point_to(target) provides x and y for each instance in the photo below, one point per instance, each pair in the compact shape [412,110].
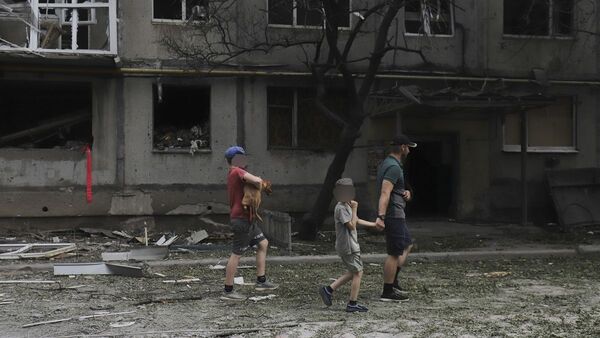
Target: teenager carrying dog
[246,232]
[346,245]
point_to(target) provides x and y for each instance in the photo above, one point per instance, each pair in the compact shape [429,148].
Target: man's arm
[384,200]
[249,178]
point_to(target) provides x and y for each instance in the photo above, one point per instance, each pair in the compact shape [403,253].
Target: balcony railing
[59,26]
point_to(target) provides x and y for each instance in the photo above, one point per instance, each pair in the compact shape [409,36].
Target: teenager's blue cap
[232,151]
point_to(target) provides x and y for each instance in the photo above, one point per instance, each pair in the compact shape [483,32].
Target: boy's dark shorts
[245,235]
[397,236]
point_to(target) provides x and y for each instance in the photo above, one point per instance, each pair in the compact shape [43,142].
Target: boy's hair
[344,182]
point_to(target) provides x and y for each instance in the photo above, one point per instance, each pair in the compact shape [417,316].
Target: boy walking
[346,245]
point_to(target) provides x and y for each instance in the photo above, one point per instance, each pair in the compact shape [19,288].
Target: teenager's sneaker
[393,297]
[233,296]
[265,286]
[356,308]
[326,296]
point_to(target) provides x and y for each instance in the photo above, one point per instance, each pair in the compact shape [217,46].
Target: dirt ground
[539,298]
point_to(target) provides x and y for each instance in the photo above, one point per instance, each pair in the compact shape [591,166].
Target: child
[346,244]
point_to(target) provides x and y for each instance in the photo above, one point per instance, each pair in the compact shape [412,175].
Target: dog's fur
[253,197]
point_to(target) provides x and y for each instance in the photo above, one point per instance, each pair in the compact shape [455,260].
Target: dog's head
[267,187]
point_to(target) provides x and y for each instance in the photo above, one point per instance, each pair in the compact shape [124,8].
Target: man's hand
[354,204]
[379,224]
[407,195]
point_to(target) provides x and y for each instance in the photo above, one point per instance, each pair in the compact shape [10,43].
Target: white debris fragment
[259,298]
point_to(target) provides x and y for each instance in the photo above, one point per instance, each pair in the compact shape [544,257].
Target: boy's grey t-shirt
[346,240]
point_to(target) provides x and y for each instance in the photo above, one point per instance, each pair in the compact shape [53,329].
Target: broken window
[58,25]
[538,17]
[304,13]
[177,10]
[294,121]
[45,115]
[181,117]
[429,17]
[549,128]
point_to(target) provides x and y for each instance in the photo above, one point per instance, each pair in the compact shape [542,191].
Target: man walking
[246,233]
[391,217]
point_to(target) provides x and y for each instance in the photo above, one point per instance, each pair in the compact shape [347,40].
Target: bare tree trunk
[313,220]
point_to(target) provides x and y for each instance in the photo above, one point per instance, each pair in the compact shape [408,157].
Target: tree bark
[313,220]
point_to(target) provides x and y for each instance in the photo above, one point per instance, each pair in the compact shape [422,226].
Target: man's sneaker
[266,286]
[233,296]
[398,289]
[326,296]
[356,308]
[393,297]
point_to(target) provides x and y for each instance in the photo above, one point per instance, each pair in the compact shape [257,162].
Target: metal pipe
[128,71]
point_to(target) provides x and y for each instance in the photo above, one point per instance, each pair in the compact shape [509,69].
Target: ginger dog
[253,197]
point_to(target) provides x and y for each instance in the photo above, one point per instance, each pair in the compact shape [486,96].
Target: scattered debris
[217,267]
[121,324]
[168,241]
[238,280]
[137,254]
[95,268]
[163,300]
[497,274]
[21,251]
[27,281]
[160,275]
[197,237]
[102,314]
[259,298]
[179,281]
[6,303]
[95,231]
[122,234]
[47,322]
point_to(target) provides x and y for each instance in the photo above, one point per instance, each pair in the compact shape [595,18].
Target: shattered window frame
[295,19]
[553,29]
[58,115]
[185,16]
[203,125]
[417,17]
[298,139]
[516,148]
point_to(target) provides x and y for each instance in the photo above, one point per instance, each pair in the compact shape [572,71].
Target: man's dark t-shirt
[391,170]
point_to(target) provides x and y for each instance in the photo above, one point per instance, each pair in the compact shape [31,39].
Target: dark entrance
[431,171]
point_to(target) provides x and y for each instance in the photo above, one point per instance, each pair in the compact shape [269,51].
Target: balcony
[58,27]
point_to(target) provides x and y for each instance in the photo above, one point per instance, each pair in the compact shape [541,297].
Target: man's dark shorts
[245,235]
[397,236]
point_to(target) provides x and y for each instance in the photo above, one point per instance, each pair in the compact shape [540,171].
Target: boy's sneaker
[265,286]
[393,297]
[326,296]
[233,296]
[356,308]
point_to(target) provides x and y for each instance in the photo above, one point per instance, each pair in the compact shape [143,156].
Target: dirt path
[539,298]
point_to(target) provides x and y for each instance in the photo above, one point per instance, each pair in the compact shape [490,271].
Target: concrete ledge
[367,258]
[588,249]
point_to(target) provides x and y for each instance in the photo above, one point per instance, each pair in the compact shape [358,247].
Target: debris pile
[170,137]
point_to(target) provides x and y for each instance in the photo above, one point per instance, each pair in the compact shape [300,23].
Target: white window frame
[551,35]
[295,18]
[452,28]
[516,148]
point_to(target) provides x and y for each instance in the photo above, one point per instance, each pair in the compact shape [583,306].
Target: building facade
[158,127]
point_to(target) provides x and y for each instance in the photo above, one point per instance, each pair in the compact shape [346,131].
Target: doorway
[432,173]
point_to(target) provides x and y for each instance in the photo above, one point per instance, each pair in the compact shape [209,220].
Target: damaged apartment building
[94,74]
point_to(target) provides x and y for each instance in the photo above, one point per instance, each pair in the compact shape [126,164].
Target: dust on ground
[539,298]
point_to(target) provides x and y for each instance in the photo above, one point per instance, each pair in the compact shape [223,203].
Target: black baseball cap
[401,140]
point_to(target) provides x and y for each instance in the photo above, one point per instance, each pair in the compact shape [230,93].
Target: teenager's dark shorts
[245,235]
[397,236]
